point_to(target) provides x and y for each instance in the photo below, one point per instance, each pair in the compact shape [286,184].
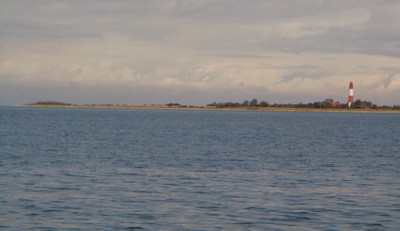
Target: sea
[142,169]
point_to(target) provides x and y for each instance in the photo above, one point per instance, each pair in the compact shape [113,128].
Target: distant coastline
[215,108]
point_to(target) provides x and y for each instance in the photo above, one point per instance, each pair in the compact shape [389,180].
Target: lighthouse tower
[351,97]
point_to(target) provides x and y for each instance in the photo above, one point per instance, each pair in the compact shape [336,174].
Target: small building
[335,104]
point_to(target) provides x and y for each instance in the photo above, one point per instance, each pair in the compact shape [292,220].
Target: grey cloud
[386,81]
[15,94]
[303,74]
[392,69]
[379,35]
[158,32]
[211,25]
[306,67]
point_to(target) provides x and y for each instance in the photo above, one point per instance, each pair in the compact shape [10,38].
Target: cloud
[291,49]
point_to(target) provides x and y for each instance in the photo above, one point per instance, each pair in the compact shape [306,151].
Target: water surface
[117,169]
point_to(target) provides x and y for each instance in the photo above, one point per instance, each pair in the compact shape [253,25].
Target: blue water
[117,169]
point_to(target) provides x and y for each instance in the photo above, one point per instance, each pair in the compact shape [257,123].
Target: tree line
[327,103]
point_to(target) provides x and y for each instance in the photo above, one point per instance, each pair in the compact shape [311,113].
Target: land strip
[166,107]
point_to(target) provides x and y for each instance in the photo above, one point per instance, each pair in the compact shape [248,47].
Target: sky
[199,52]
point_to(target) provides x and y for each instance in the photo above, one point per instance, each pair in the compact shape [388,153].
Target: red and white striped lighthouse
[351,97]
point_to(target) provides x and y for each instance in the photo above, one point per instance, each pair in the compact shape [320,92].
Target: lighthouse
[351,97]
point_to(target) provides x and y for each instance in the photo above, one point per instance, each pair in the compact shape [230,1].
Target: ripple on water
[177,170]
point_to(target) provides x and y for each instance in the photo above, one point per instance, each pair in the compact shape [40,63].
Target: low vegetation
[327,103]
[248,104]
[50,103]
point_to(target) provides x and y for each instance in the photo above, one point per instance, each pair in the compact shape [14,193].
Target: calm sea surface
[117,169]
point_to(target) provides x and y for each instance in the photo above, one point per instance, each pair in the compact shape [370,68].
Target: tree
[263,104]
[253,103]
[367,104]
[316,104]
[327,103]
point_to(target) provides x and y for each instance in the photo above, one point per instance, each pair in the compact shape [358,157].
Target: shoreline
[210,108]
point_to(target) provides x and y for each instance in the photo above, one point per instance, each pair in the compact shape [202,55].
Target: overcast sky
[198,52]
